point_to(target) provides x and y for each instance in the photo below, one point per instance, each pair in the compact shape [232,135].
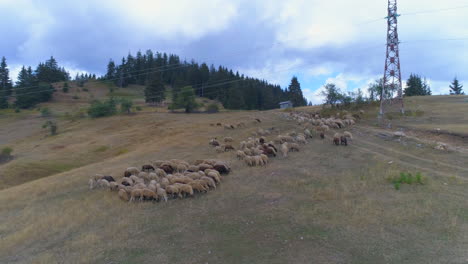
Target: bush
[52,125]
[407,178]
[126,105]
[6,151]
[102,108]
[45,112]
[17,110]
[138,108]
[65,89]
[212,108]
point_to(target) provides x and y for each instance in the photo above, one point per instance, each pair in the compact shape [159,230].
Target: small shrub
[65,88]
[6,151]
[406,178]
[138,108]
[17,110]
[52,125]
[212,108]
[101,149]
[45,112]
[126,105]
[102,108]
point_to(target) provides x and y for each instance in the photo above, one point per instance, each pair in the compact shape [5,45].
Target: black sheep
[147,168]
[109,178]
[344,141]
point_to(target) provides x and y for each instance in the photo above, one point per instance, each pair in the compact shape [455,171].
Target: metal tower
[392,92]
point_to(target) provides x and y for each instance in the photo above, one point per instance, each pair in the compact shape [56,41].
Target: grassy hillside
[324,204]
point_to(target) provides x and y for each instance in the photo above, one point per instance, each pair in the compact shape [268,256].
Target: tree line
[233,90]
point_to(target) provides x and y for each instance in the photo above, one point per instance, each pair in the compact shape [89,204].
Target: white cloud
[275,72]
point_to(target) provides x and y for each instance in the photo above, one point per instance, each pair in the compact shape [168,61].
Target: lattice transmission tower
[392,91]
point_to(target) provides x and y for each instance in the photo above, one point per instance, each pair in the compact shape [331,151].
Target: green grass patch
[121,152]
[101,149]
[406,178]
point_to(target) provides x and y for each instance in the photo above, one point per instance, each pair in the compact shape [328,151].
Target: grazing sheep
[348,135]
[307,133]
[209,181]
[228,147]
[240,155]
[198,186]
[167,168]
[161,193]
[228,139]
[147,168]
[136,194]
[164,183]
[133,170]
[249,160]
[97,177]
[148,194]
[336,139]
[258,120]
[214,142]
[193,168]
[126,181]
[204,166]
[219,149]
[194,175]
[264,159]
[102,183]
[294,147]
[322,135]
[301,139]
[222,167]
[123,195]
[144,176]
[173,190]
[113,186]
[227,126]
[344,141]
[185,189]
[284,149]
[127,174]
[92,183]
[214,176]
[219,124]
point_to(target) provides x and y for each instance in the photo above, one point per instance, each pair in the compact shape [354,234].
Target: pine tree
[295,93]
[5,84]
[111,71]
[415,86]
[456,88]
[154,91]
[186,100]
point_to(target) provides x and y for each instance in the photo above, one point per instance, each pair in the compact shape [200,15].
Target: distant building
[285,105]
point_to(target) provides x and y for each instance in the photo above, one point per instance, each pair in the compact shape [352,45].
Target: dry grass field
[324,204]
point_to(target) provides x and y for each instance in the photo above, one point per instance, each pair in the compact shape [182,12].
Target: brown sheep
[348,134]
[209,181]
[228,147]
[214,142]
[161,193]
[204,166]
[219,124]
[113,186]
[198,186]
[264,158]
[124,195]
[240,155]
[127,174]
[193,168]
[222,168]
[228,139]
[136,193]
[173,190]
[322,135]
[336,139]
[343,141]
[147,168]
[164,182]
[185,189]
[167,168]
[148,194]
[293,147]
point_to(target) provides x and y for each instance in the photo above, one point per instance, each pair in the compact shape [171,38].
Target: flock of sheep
[322,125]
[164,180]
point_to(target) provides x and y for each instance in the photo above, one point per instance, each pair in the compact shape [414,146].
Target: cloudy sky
[339,41]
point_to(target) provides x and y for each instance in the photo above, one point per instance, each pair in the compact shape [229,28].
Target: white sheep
[284,149]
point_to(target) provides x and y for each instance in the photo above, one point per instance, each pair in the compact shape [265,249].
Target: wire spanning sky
[336,41]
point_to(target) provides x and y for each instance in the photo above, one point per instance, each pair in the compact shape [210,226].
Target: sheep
[153,176]
[322,135]
[198,186]
[148,194]
[173,190]
[161,173]
[264,158]
[164,183]
[167,168]
[194,175]
[240,155]
[343,141]
[227,126]
[127,174]
[269,151]
[204,166]
[336,139]
[258,120]
[222,167]
[242,145]
[139,186]
[258,160]
[113,186]
[214,142]
[307,133]
[102,183]
[185,189]
[123,195]
[133,170]
[161,193]
[158,163]
[108,178]
[228,147]
[147,168]
[284,149]
[209,181]
[348,134]
[301,139]
[214,176]
[293,147]
[219,124]
[219,149]
[249,160]
[97,177]
[228,139]
[193,168]
[144,176]
[126,181]
[181,167]
[92,183]
[136,193]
